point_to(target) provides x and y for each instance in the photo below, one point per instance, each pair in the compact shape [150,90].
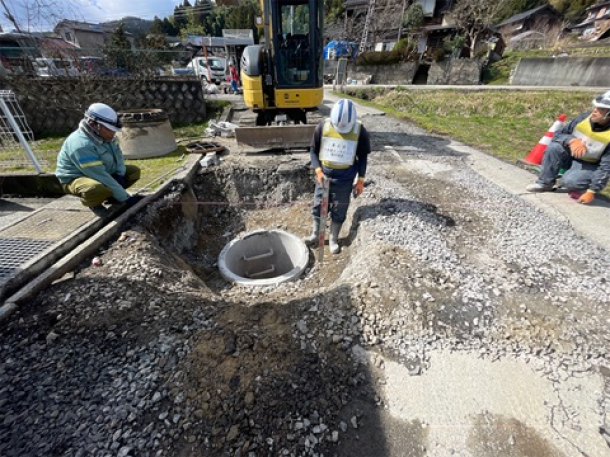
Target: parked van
[48,66]
[17,54]
[217,73]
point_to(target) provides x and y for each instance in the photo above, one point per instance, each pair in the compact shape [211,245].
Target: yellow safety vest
[596,142]
[338,150]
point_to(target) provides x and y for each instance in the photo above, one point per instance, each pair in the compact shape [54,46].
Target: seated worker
[583,149]
[90,163]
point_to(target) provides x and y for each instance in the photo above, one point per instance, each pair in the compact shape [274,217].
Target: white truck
[47,66]
[210,69]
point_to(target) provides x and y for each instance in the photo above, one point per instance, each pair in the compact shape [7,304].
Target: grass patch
[504,124]
[153,169]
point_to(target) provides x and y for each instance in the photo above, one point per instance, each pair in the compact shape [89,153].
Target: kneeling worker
[339,151]
[90,163]
[583,149]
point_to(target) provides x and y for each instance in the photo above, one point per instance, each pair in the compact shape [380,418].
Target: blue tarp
[336,49]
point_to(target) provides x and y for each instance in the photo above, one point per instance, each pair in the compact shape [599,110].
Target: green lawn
[154,170]
[504,124]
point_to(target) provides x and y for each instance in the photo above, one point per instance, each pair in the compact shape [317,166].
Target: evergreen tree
[157,27]
[169,28]
[117,51]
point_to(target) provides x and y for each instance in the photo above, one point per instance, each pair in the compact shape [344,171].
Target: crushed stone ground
[446,326]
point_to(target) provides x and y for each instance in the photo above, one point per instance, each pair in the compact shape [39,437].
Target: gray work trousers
[338,200]
[578,173]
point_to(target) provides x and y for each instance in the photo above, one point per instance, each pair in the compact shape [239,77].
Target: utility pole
[402,15]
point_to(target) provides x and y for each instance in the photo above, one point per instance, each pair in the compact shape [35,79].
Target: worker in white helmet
[90,163]
[582,148]
[339,151]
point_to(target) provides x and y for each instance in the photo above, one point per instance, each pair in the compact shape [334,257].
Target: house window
[68,36]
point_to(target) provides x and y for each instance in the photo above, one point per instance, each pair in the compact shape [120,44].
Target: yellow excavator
[282,79]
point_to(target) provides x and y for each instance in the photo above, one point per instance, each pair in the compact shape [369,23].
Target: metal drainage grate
[47,224]
[14,253]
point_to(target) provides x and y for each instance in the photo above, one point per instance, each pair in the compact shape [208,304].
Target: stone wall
[460,72]
[562,71]
[400,73]
[54,106]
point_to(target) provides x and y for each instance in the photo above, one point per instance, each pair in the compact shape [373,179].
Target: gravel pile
[151,353]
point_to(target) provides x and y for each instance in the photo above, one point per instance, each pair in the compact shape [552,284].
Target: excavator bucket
[276,136]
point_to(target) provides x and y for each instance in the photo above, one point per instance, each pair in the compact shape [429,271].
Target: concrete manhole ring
[146,133]
[142,115]
[263,258]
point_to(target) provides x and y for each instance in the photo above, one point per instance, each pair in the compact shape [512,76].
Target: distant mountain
[133,25]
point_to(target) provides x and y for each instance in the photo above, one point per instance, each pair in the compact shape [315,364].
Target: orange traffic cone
[537,153]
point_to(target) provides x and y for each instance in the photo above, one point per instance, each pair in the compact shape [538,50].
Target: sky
[42,15]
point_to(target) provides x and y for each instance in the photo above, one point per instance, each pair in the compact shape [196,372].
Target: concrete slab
[466,402]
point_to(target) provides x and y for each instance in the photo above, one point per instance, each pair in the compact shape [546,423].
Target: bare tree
[30,15]
[475,17]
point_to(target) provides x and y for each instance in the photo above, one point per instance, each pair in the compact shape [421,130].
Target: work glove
[320,176]
[587,197]
[358,187]
[120,179]
[577,148]
[133,199]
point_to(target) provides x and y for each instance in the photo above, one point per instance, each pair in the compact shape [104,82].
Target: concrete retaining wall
[563,71]
[400,73]
[461,72]
[55,106]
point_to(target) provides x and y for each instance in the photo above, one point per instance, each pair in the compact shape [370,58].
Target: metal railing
[16,154]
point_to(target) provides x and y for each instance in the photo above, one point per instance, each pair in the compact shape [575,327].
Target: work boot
[537,187]
[99,210]
[312,239]
[333,242]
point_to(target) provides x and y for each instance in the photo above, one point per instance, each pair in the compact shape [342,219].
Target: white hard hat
[343,115]
[602,101]
[104,115]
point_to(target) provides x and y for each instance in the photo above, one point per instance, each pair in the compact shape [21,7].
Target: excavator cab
[282,79]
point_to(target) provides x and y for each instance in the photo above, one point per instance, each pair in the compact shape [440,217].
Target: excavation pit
[263,258]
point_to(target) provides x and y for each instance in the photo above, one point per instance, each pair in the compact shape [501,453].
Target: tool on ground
[323,217]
